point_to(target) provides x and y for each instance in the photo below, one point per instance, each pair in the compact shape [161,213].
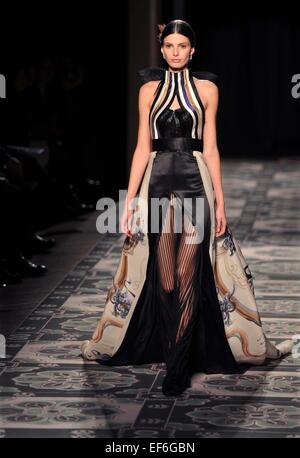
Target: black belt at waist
[177,144]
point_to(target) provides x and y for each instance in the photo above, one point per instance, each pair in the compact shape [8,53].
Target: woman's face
[177,50]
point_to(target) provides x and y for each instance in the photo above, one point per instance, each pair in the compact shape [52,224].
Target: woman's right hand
[126,221]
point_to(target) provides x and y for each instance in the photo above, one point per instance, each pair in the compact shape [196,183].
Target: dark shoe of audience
[25,267]
[38,244]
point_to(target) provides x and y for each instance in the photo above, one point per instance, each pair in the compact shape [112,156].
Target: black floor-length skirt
[177,318]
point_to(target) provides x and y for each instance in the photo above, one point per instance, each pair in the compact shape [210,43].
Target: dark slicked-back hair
[177,26]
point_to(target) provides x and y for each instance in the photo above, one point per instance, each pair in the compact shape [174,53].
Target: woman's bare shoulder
[206,84]
[206,89]
[149,86]
[147,91]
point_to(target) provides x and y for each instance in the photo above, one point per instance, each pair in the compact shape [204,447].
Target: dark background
[255,53]
[90,39]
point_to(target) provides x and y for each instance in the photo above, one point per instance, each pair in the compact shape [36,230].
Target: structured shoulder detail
[204,75]
[151,74]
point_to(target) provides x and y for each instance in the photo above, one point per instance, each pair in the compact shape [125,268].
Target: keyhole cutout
[176,106]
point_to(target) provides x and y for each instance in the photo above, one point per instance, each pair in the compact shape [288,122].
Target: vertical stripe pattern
[180,84]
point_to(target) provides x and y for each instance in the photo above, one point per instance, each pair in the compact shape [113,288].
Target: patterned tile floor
[47,390]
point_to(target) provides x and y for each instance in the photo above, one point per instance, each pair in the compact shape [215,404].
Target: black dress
[177,318]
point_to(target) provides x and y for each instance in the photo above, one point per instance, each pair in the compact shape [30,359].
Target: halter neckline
[181,72]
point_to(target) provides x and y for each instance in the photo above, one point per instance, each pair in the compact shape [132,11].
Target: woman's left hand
[221,221]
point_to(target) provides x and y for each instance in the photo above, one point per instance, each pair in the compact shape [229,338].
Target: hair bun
[161,28]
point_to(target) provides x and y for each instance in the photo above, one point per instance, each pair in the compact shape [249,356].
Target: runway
[47,390]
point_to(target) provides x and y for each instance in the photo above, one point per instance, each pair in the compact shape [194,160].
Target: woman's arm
[211,155]
[142,151]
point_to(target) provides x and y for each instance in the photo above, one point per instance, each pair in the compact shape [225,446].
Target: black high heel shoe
[171,388]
